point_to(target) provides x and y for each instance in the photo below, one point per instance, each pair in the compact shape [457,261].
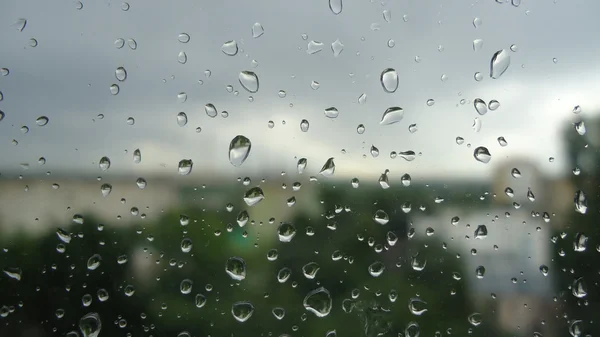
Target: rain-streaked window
[299,168]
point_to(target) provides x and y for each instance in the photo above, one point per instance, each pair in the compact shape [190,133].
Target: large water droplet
[301,166]
[186,245]
[182,119]
[105,189]
[236,268]
[121,74]
[575,329]
[249,81]
[286,232]
[230,48]
[242,218]
[328,168]
[314,47]
[304,125]
[242,311]
[200,300]
[183,38]
[392,115]
[335,6]
[417,306]
[210,110]
[331,112]
[376,268]
[581,202]
[412,330]
[381,217]
[94,262]
[337,47]
[493,105]
[284,274]
[482,154]
[185,167]
[318,302]
[253,196]
[579,288]
[104,163]
[141,183]
[480,106]
[42,121]
[417,263]
[90,325]
[499,63]
[389,80]
[481,232]
[20,24]
[580,243]
[257,30]
[278,312]
[239,149]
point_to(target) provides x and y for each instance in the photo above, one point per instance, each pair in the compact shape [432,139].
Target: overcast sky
[67,76]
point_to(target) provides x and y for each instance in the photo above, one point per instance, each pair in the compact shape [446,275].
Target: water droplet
[304,125]
[129,291]
[310,270]
[416,306]
[94,262]
[530,195]
[493,105]
[236,268]
[515,173]
[230,48]
[391,43]
[392,115]
[186,245]
[90,325]
[242,311]
[480,106]
[381,217]
[286,232]
[239,149]
[331,112]
[284,274]
[389,80]
[355,182]
[253,196]
[105,189]
[249,81]
[482,154]
[480,272]
[104,163]
[328,168]
[211,110]
[130,121]
[314,47]
[477,22]
[362,99]
[499,63]
[318,302]
[384,181]
[481,232]
[242,218]
[121,74]
[335,6]
[360,129]
[119,43]
[387,15]
[477,44]
[575,328]
[577,110]
[137,156]
[78,6]
[580,127]
[314,85]
[544,270]
[278,312]
[502,141]
[186,286]
[132,44]
[114,89]
[301,166]
[20,24]
[478,76]
[200,300]
[418,264]
[580,202]
[182,57]
[185,167]
[125,7]
[509,192]
[33,43]
[272,254]
[475,319]
[4,71]
[337,47]
[408,155]
[580,243]
[376,268]
[14,272]
[183,37]
[257,30]
[141,183]
[182,119]
[579,288]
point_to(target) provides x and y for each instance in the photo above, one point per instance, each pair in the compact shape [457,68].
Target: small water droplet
[579,288]
[477,44]
[257,30]
[20,24]
[121,74]
[119,43]
[186,286]
[242,311]
[249,81]
[480,272]
[499,63]
[387,15]
[304,125]
[278,312]
[104,163]
[477,22]
[580,202]
[389,80]
[286,232]
[417,263]
[78,6]
[185,166]
[580,128]
[301,166]
[239,149]
[481,232]
[381,217]
[318,302]
[42,121]
[284,274]
[182,57]
[328,168]
[493,105]
[310,270]
[137,156]
[331,112]
[94,262]
[416,306]
[105,189]
[186,245]
[577,110]
[475,319]
[376,268]
[114,89]
[4,71]
[482,154]
[391,43]
[314,85]
[478,76]
[515,173]
[502,142]
[125,7]
[408,155]
[337,47]
[384,180]
[141,183]
[132,44]
[314,47]
[33,43]
[90,325]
